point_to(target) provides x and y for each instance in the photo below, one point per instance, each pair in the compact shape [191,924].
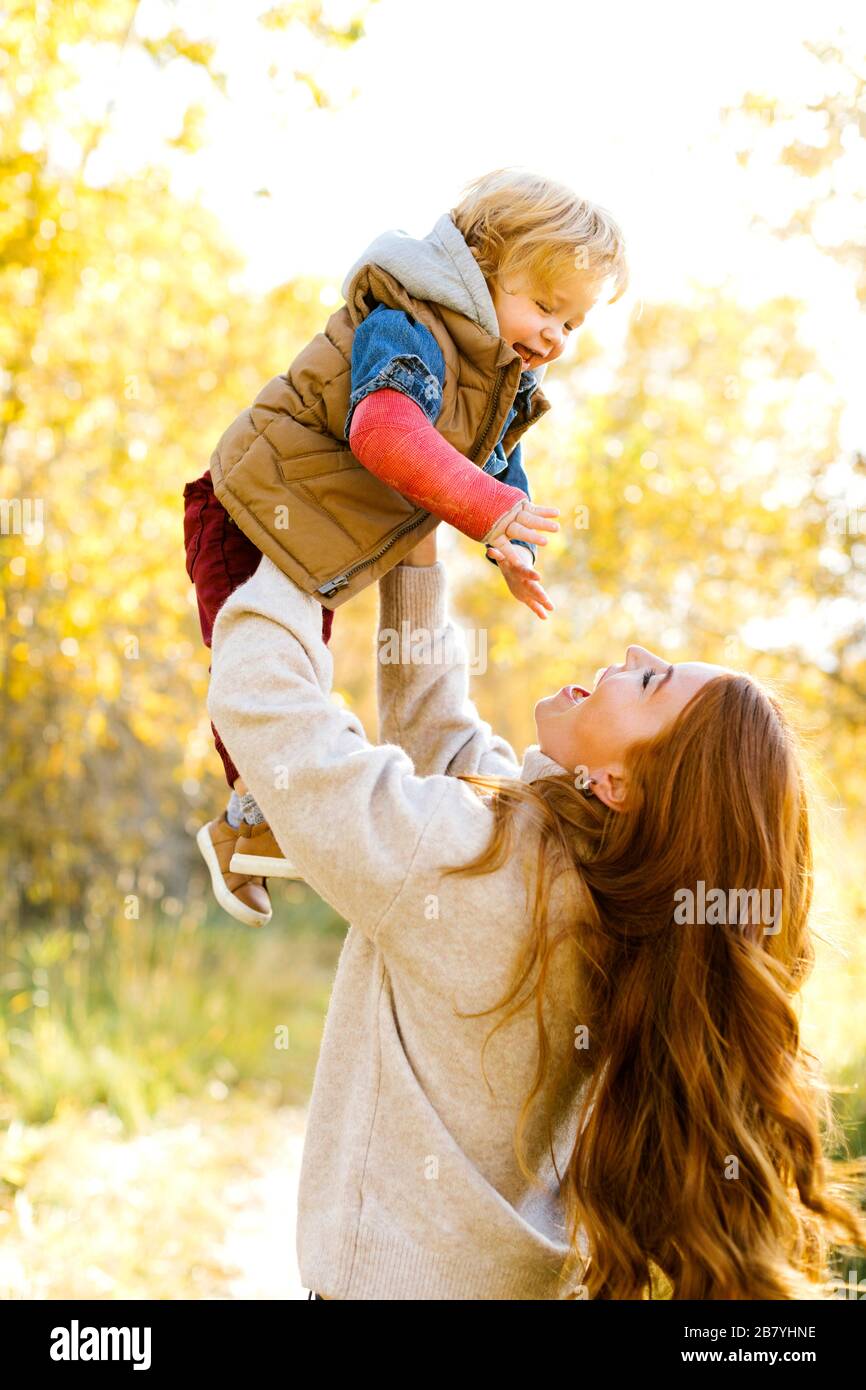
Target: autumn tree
[127,343]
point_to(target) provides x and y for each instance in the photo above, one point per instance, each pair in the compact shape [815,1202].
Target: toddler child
[427,377]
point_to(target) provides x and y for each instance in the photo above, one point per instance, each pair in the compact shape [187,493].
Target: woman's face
[593,730]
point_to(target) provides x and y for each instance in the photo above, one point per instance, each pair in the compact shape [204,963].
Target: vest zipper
[341,580]
[490,414]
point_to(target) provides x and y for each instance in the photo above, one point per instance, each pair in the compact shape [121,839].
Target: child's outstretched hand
[525,522]
[522,578]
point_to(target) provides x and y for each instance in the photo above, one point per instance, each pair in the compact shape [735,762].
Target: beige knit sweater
[409,1188]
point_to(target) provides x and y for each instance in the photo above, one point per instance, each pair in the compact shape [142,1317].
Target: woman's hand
[424,552]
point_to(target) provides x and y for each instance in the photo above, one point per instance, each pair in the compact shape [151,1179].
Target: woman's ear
[611,788]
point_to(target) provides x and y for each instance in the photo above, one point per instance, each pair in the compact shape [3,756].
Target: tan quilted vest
[286,475]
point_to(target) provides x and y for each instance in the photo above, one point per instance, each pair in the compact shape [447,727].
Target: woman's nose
[636,656]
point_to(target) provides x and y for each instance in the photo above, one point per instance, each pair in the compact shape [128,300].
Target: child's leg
[219,557]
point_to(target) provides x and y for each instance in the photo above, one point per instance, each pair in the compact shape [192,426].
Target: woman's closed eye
[650,671]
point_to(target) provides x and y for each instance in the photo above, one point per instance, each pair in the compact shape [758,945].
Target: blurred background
[182,188]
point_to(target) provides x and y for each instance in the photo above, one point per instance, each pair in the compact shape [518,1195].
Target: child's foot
[257,852]
[245,897]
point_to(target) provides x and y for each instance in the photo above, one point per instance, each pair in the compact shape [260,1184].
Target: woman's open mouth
[574,693]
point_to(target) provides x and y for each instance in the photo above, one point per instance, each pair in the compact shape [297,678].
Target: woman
[642,1099]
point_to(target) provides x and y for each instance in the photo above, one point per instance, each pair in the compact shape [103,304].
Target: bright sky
[621,101]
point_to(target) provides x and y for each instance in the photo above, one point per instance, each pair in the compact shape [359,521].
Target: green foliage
[143,1010]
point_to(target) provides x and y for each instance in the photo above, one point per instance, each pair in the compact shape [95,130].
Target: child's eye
[569,327]
[647,677]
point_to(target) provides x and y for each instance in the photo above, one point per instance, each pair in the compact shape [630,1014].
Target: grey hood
[438,267]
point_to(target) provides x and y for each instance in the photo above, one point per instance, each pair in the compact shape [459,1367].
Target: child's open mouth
[529,357]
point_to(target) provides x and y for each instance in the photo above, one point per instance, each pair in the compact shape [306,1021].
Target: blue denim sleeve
[392,349]
[514,476]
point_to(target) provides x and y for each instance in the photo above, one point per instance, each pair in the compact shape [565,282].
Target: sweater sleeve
[423,667]
[391,435]
[351,814]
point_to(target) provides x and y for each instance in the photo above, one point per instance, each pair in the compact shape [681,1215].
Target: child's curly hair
[516,222]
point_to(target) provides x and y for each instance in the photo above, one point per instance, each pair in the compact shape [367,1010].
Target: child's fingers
[537,518]
[508,554]
[532,594]
[536,608]
[519,572]
[519,532]
[539,593]
[541,597]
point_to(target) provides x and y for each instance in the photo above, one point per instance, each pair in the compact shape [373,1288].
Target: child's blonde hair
[516,223]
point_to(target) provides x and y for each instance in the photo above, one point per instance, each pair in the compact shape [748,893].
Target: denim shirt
[391,349]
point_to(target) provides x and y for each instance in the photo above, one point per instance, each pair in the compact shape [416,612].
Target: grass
[139,1011]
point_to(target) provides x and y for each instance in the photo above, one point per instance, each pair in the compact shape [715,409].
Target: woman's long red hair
[698,1154]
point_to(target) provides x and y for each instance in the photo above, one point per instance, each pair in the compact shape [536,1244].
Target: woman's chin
[540,724]
[540,712]
[563,702]
[547,712]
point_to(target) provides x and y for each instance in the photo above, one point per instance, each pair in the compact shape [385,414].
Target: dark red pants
[219,557]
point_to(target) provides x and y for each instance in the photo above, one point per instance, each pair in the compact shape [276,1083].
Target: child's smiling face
[536,324]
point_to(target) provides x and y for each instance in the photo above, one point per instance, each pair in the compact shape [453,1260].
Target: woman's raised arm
[355,817]
[423,665]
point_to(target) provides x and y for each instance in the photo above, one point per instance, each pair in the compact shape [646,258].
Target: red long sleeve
[392,437]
